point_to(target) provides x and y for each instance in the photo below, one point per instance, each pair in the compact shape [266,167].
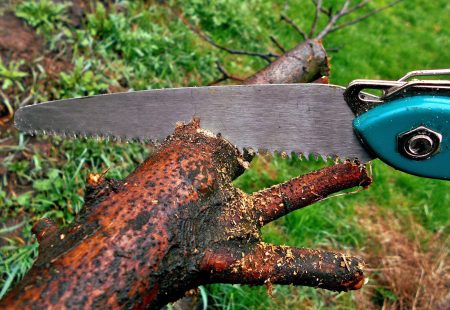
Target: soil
[17,40]
[20,42]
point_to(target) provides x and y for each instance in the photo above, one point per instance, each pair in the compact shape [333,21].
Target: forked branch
[304,68]
[334,16]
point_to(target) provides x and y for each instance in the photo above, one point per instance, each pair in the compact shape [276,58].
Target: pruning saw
[407,126]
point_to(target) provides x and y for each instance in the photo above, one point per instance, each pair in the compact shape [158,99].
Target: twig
[266,56]
[295,26]
[359,19]
[333,19]
[225,75]
[316,18]
[333,49]
[278,44]
[358,6]
[346,10]
[327,11]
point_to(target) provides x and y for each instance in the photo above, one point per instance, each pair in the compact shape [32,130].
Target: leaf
[24,199]
[53,174]
[42,185]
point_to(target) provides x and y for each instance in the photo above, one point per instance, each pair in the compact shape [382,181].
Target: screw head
[419,143]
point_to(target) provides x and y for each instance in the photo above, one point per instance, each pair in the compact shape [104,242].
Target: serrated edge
[100,137]
[308,156]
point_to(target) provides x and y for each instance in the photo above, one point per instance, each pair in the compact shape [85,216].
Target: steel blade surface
[301,118]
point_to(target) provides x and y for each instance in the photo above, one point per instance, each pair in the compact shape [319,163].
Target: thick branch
[266,263]
[304,63]
[144,241]
[302,191]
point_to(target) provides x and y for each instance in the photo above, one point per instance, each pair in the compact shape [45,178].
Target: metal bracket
[361,102]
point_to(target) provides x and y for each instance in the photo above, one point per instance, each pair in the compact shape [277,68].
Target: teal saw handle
[411,134]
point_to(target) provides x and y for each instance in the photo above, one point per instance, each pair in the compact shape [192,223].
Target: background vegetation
[400,224]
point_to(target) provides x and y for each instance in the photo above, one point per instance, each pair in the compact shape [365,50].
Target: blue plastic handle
[380,128]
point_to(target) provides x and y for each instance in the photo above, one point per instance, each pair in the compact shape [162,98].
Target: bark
[304,63]
[177,222]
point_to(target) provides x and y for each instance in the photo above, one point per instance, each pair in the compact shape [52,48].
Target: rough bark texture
[177,222]
[306,62]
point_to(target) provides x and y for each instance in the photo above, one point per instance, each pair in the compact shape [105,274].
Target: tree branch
[333,19]
[225,75]
[266,56]
[365,16]
[295,26]
[175,223]
[306,62]
[278,44]
[274,202]
[316,18]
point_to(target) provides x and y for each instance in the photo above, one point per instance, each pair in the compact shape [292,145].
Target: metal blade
[301,118]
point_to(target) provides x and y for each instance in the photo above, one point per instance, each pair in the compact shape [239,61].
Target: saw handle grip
[411,134]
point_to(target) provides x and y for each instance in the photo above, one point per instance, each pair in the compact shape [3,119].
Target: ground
[50,51]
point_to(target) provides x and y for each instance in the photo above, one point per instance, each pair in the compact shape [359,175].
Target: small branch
[344,11]
[333,49]
[327,11]
[359,19]
[295,26]
[316,18]
[358,6]
[225,75]
[266,56]
[278,44]
[332,20]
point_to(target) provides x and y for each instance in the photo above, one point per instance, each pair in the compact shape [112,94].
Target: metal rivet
[419,143]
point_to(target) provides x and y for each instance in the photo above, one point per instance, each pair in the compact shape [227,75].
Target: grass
[142,45]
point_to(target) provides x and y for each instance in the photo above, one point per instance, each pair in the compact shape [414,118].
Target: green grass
[144,45]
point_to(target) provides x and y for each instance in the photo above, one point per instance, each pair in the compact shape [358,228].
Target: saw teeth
[309,156]
[154,143]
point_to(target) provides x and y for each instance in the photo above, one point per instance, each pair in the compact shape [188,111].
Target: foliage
[16,258]
[11,75]
[45,15]
[82,81]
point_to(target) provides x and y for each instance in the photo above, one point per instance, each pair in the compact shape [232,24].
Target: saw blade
[300,118]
